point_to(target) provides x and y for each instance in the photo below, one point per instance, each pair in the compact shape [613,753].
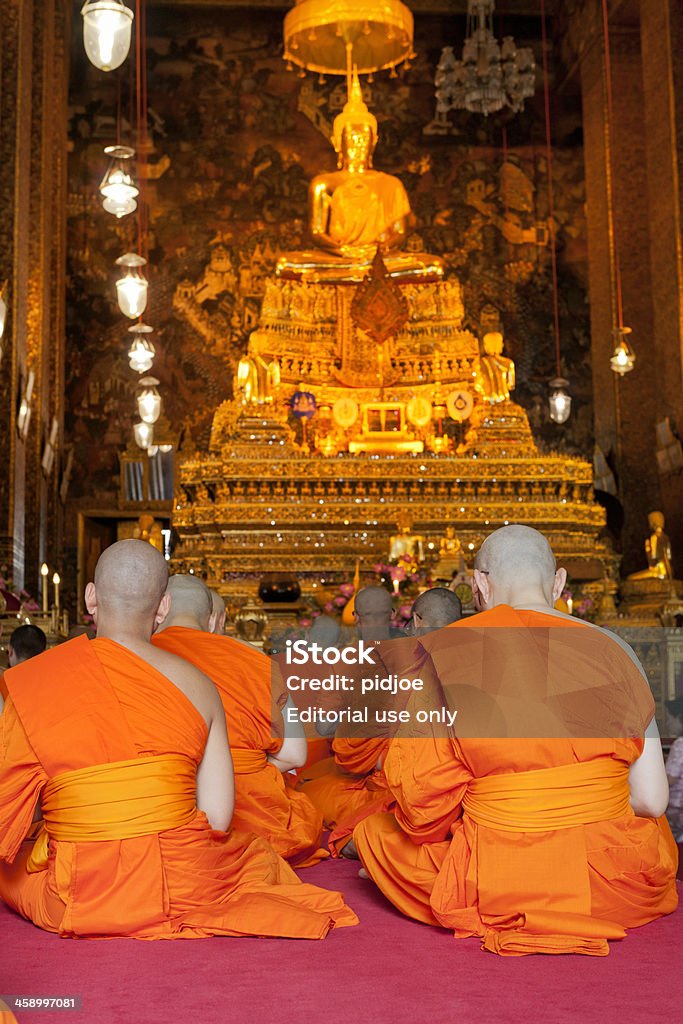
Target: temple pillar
[661,29]
[624,408]
[33,132]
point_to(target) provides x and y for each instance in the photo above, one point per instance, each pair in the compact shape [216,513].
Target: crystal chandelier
[490,76]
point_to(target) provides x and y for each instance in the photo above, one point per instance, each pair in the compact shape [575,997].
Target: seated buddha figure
[355,210]
[657,550]
[496,377]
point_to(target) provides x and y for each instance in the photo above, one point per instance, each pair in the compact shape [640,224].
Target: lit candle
[43,572]
[570,606]
[56,580]
[396,586]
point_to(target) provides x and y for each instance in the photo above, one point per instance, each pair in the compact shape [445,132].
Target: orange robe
[347,785]
[475,843]
[249,687]
[95,703]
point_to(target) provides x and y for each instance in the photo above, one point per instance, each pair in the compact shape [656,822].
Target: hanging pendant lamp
[132,287]
[118,189]
[107,28]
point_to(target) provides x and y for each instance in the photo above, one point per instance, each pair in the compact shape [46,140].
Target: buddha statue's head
[656,521]
[493,343]
[354,134]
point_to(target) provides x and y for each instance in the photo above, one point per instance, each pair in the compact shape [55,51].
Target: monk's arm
[215,777]
[647,779]
[294,749]
[428,780]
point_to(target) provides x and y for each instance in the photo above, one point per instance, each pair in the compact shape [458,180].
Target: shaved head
[130,578]
[437,607]
[516,554]
[190,599]
[373,603]
[516,566]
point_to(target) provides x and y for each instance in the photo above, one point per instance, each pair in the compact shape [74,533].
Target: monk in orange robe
[342,785]
[536,824]
[122,750]
[263,747]
[434,609]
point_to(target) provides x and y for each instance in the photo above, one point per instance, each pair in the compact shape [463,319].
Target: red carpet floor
[387,970]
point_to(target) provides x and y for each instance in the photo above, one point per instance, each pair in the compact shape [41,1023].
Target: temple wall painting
[235,139]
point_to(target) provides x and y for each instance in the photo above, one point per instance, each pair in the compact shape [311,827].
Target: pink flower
[346,589]
[340,601]
[305,623]
[328,608]
[405,611]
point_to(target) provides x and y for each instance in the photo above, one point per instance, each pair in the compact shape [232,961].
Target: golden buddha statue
[406,544]
[256,379]
[496,378]
[355,210]
[658,551]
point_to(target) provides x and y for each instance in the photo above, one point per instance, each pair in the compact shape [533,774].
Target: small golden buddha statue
[256,380]
[406,544]
[355,210]
[450,554]
[496,378]
[658,551]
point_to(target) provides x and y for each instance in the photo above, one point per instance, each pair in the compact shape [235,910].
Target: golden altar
[363,402]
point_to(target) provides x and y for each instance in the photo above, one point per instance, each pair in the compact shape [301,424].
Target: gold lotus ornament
[331,36]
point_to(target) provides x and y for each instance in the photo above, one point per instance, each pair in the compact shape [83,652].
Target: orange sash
[246,762]
[119,800]
[550,798]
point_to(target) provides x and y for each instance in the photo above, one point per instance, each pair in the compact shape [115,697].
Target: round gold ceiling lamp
[332,36]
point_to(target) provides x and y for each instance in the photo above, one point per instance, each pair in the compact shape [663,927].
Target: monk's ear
[481,588]
[559,583]
[163,610]
[91,599]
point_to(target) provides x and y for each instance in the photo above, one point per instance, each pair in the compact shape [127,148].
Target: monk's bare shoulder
[197,687]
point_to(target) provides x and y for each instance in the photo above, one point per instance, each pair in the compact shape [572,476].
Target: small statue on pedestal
[658,551]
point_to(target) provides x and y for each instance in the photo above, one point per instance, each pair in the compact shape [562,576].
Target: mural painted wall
[234,140]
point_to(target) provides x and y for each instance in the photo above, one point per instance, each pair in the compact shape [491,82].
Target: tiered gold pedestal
[260,504]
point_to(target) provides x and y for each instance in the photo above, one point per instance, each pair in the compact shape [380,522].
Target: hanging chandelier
[118,189]
[107,28]
[560,402]
[141,352]
[132,287]
[490,76]
[623,358]
[149,400]
[143,434]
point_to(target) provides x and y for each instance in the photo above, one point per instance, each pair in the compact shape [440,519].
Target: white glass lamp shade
[141,352]
[143,434]
[107,28]
[560,402]
[118,189]
[149,400]
[623,358]
[132,287]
